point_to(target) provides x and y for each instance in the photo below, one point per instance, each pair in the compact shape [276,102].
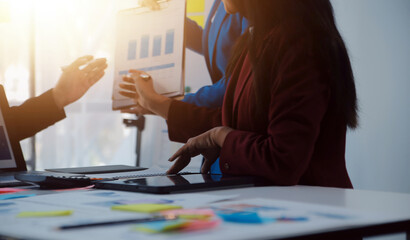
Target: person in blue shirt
[215,43]
[220,33]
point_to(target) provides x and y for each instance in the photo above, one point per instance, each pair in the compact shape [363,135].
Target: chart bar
[132,50]
[156,51]
[169,42]
[144,46]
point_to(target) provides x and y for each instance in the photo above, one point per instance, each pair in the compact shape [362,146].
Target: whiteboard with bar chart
[151,41]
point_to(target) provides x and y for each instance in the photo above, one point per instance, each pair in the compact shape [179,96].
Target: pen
[117,222]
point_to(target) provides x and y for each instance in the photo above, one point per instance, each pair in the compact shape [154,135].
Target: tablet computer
[178,183]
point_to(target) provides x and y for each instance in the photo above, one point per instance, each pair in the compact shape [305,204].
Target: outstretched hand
[75,82]
[208,144]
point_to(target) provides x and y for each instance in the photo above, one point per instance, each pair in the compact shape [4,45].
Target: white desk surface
[395,204]
[392,207]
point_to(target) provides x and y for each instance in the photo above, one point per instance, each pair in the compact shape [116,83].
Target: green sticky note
[195,6]
[145,207]
[46,213]
[163,226]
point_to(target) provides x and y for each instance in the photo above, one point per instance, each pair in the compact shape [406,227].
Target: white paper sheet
[152,41]
[94,205]
[89,206]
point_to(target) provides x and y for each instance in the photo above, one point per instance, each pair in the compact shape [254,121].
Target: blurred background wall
[377,34]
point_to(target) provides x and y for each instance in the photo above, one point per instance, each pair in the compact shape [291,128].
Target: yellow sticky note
[4,11]
[199,19]
[195,6]
[46,214]
[145,207]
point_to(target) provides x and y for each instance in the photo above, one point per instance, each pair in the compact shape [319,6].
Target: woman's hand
[75,82]
[208,144]
[140,87]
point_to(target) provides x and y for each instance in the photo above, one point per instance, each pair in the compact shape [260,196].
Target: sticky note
[199,214]
[46,214]
[161,226]
[244,217]
[179,225]
[195,6]
[201,225]
[11,190]
[292,219]
[145,207]
[198,19]
[4,11]
[14,196]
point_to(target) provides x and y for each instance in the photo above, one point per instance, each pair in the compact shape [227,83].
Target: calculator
[49,180]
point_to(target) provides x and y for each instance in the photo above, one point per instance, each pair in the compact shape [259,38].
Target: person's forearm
[160,105]
[58,99]
[219,135]
[34,115]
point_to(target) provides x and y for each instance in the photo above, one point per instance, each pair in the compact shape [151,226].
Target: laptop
[11,156]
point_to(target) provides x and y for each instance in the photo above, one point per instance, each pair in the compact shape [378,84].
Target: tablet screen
[177,183]
[175,180]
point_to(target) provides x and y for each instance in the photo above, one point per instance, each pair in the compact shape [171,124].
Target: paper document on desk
[151,41]
[267,218]
[88,206]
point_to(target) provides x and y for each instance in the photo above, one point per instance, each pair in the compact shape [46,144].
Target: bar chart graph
[153,42]
[145,43]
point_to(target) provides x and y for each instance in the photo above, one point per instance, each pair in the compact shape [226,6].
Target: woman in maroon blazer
[288,104]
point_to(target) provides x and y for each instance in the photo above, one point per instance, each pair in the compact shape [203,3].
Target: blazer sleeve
[187,120]
[34,115]
[193,36]
[299,100]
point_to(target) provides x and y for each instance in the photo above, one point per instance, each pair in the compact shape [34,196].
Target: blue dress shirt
[220,33]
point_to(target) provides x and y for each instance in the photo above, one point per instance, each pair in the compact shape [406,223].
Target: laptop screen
[11,156]
[7,159]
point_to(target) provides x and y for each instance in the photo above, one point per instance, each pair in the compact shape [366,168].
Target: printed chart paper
[151,41]
[291,219]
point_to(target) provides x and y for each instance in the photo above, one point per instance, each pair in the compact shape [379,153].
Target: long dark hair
[314,19]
